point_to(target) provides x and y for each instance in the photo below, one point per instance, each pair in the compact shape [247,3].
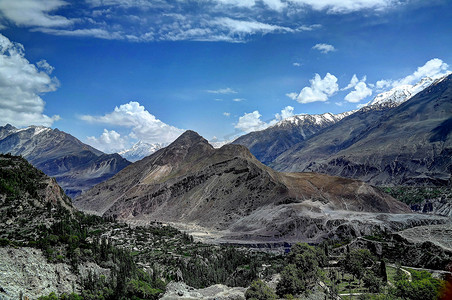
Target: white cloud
[34,13]
[222,91]
[21,84]
[144,126]
[346,6]
[296,64]
[432,68]
[251,122]
[361,91]
[198,20]
[285,113]
[353,82]
[238,99]
[94,32]
[44,65]
[108,142]
[324,48]
[226,114]
[383,84]
[241,27]
[319,90]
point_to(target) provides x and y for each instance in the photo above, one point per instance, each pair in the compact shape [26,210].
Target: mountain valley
[229,192]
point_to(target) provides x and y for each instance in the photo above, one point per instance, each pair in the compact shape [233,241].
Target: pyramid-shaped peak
[189,138]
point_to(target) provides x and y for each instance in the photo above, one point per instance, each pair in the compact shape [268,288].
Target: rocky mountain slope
[267,144]
[409,144]
[229,191]
[75,165]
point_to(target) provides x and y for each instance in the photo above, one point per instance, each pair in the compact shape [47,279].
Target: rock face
[28,199]
[26,272]
[410,144]
[75,165]
[267,144]
[230,191]
[179,290]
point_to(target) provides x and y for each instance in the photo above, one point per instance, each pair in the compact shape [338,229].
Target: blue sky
[112,72]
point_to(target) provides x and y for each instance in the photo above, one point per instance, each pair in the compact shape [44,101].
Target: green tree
[357,261]
[372,282]
[290,283]
[260,291]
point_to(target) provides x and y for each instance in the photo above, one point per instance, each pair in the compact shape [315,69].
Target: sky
[112,72]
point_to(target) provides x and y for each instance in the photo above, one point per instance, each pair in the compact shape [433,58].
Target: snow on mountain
[322,119]
[401,93]
[217,145]
[140,150]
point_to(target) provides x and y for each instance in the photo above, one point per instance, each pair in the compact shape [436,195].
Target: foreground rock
[179,290]
[26,272]
[229,191]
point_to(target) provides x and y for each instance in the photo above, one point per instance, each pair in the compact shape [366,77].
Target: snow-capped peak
[33,130]
[319,119]
[140,150]
[401,93]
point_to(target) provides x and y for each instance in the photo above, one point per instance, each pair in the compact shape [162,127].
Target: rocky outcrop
[179,290]
[75,165]
[25,272]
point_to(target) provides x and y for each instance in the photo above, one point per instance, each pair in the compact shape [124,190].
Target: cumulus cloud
[21,84]
[285,113]
[226,114]
[353,82]
[296,64]
[324,48]
[432,68]
[319,90]
[144,126]
[252,121]
[361,91]
[108,142]
[222,91]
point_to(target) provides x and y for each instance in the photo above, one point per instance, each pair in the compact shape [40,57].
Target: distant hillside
[75,165]
[410,144]
[230,191]
[267,144]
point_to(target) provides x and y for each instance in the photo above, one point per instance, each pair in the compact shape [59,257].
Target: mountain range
[229,192]
[75,165]
[409,144]
[401,137]
[269,143]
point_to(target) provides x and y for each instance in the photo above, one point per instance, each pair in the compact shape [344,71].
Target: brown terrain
[229,194]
